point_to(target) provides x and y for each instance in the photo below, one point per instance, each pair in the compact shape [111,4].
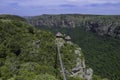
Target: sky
[38,7]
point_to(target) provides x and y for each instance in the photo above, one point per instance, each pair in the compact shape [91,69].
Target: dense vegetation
[97,35]
[11,17]
[27,53]
[100,24]
[101,52]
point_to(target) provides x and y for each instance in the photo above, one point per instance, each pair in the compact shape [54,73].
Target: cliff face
[27,53]
[79,69]
[102,25]
[101,52]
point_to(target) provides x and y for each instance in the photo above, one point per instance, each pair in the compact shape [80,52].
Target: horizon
[40,7]
[64,14]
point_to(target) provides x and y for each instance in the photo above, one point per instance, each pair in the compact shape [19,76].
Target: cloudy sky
[37,7]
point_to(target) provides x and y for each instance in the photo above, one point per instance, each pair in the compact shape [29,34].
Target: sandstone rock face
[79,70]
[102,25]
[89,74]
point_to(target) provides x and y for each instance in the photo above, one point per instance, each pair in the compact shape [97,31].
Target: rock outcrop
[102,25]
[80,70]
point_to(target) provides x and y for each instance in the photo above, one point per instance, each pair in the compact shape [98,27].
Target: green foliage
[68,57]
[11,17]
[101,52]
[32,76]
[26,52]
[45,77]
[75,78]
[100,24]
[95,77]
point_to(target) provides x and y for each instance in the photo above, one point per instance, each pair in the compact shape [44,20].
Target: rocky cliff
[27,53]
[102,25]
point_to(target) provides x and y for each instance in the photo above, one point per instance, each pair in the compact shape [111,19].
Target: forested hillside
[101,52]
[11,17]
[97,35]
[103,25]
[27,53]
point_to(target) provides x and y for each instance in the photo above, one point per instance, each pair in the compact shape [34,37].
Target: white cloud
[56,2]
[84,2]
[32,7]
[40,2]
[95,1]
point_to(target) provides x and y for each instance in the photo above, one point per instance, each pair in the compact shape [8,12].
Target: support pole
[61,63]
